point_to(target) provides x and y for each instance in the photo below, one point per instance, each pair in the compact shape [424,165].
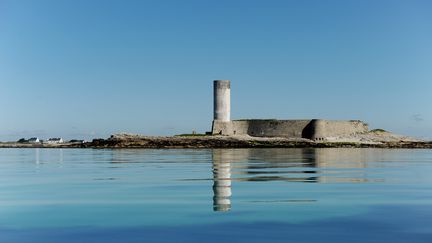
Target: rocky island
[371,139]
[255,133]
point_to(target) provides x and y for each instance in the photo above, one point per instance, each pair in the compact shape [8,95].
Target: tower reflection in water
[291,165]
[222,180]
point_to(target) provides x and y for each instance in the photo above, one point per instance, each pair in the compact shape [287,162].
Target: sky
[87,69]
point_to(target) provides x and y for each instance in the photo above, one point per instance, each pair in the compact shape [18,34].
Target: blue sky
[84,69]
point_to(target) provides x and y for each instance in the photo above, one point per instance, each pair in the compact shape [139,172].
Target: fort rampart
[311,129]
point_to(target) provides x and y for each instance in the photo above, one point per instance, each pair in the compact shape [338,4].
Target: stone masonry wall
[311,129]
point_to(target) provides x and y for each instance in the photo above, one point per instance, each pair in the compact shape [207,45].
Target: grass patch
[191,135]
[378,130]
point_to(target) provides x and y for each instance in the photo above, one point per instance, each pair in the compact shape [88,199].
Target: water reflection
[278,165]
[129,188]
[296,165]
[289,165]
[48,156]
[222,179]
[37,156]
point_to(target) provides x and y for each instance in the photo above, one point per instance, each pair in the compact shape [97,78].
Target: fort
[313,129]
[252,133]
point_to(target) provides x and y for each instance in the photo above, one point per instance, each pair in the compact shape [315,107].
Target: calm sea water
[234,195]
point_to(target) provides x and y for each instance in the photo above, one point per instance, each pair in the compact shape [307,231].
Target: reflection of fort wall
[353,161]
[351,157]
[340,157]
[267,164]
[301,164]
[302,157]
[331,160]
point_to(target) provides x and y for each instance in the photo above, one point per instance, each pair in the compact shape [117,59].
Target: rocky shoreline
[199,142]
[136,141]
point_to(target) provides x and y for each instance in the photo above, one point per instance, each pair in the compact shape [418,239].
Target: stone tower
[222,100]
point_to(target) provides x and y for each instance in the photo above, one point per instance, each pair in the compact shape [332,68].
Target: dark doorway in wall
[309,130]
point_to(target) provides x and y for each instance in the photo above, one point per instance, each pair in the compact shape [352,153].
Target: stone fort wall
[311,129]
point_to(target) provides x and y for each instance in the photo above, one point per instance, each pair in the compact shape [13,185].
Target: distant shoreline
[201,142]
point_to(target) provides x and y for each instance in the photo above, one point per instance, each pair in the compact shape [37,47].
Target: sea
[215,195]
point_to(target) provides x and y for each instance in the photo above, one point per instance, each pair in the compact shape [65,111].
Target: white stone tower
[222,100]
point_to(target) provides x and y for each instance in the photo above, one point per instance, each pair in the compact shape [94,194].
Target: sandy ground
[372,137]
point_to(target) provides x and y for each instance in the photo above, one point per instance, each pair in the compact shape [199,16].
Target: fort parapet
[314,129]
